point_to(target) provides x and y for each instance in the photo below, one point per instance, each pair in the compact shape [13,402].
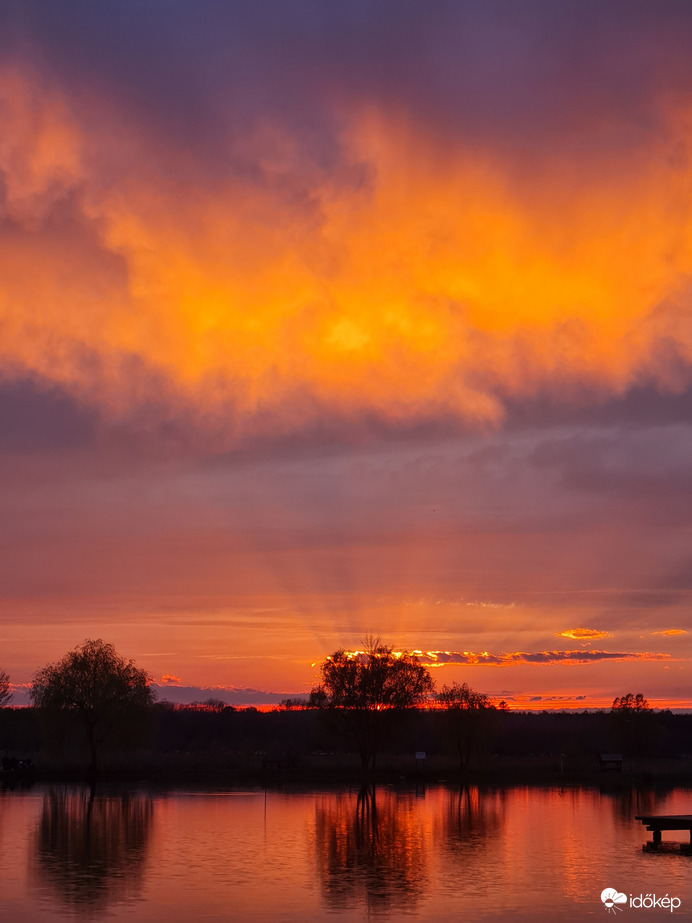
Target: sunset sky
[320,319]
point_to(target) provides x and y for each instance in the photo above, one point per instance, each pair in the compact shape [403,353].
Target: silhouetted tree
[631,703]
[630,711]
[318,698]
[104,690]
[5,694]
[212,704]
[362,686]
[294,704]
[465,710]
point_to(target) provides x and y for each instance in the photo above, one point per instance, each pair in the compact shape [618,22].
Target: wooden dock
[657,823]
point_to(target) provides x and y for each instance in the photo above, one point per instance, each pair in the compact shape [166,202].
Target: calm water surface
[433,854]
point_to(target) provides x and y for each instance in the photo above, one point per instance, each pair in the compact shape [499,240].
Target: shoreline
[539,776]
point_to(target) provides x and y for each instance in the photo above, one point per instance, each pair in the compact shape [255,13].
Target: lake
[435,853]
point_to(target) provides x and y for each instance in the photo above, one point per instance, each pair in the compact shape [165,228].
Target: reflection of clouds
[371,848]
[91,847]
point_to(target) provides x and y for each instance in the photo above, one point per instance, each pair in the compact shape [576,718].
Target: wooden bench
[611,762]
[656,823]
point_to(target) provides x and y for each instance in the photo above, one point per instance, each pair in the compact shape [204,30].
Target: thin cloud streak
[583,634]
[440,658]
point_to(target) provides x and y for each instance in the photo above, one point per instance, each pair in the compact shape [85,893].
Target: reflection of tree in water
[469,818]
[626,801]
[91,846]
[370,848]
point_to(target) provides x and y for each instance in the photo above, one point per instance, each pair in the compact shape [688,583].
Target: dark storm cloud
[638,407]
[649,464]
[35,418]
[519,75]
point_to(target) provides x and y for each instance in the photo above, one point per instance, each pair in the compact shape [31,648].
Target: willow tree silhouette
[107,693]
[360,688]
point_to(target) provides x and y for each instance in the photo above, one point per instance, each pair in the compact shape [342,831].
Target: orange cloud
[670,631]
[169,680]
[583,634]
[40,151]
[436,287]
[440,658]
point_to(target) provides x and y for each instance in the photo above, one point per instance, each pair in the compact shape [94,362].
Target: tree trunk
[93,749]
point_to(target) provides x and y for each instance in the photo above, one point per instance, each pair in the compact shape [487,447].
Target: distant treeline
[179,739]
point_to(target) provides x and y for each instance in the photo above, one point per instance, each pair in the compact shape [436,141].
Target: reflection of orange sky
[258,855]
[397,296]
